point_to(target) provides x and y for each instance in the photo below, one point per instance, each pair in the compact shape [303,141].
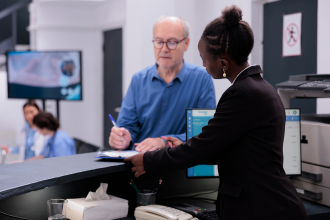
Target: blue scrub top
[59,145]
[29,142]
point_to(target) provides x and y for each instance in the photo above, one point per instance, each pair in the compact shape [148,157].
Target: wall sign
[292,35]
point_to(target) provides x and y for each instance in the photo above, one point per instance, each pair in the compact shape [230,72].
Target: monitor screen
[44,75]
[197,118]
[292,143]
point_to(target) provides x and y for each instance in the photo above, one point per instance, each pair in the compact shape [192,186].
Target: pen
[136,189]
[134,184]
[156,187]
[114,124]
[169,143]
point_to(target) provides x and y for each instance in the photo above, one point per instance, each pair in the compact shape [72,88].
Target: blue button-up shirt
[59,145]
[151,108]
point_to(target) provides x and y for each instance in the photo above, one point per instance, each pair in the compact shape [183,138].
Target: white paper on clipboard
[117,153]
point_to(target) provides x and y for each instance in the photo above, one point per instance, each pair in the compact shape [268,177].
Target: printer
[314,182]
[307,82]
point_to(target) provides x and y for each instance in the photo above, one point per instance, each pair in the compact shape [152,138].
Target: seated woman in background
[30,143]
[59,143]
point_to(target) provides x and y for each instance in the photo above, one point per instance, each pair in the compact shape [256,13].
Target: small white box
[80,209]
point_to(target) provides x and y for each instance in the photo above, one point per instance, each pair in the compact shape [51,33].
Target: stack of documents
[116,154]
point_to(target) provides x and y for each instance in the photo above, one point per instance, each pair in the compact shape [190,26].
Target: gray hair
[184,23]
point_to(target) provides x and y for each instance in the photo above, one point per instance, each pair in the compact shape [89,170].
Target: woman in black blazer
[245,137]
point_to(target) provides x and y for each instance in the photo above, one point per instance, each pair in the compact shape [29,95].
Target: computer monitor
[292,143]
[197,118]
[44,75]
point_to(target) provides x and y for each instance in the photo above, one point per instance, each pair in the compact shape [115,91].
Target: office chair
[83,147]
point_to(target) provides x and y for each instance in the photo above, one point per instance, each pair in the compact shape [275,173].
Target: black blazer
[245,139]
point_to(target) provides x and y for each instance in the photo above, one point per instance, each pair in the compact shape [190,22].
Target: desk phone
[158,212]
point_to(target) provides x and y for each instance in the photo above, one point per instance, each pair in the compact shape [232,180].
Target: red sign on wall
[292,35]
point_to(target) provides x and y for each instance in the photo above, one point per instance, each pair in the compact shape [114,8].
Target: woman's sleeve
[14,149]
[230,122]
[64,146]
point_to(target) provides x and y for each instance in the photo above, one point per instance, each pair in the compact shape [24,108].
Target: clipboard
[115,154]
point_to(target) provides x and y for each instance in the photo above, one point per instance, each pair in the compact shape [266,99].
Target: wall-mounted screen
[44,75]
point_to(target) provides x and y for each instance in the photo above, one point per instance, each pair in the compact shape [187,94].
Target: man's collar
[251,70]
[181,75]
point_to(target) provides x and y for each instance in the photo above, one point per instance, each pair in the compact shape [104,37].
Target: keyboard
[315,85]
[208,215]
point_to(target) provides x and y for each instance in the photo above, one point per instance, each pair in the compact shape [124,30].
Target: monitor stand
[57,107]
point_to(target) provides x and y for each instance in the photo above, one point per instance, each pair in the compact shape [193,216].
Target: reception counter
[20,178]
[25,187]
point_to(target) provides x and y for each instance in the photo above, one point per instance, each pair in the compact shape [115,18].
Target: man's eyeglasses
[171,45]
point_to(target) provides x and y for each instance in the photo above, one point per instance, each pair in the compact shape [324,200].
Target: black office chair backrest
[83,147]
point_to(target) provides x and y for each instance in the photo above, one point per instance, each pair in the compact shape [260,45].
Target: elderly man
[157,97]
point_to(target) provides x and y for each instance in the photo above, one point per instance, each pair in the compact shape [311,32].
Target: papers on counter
[116,154]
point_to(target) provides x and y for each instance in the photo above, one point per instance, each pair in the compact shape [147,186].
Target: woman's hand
[137,161]
[6,148]
[173,140]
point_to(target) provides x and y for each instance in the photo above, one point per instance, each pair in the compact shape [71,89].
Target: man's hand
[137,161]
[175,141]
[150,144]
[6,148]
[115,139]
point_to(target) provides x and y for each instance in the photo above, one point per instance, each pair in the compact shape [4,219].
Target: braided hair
[229,35]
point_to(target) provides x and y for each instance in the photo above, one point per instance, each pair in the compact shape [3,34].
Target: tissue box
[80,209]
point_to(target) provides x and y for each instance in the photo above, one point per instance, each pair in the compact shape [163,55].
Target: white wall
[207,13]
[323,48]
[78,25]
[11,113]
[112,14]
[66,25]
[258,31]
